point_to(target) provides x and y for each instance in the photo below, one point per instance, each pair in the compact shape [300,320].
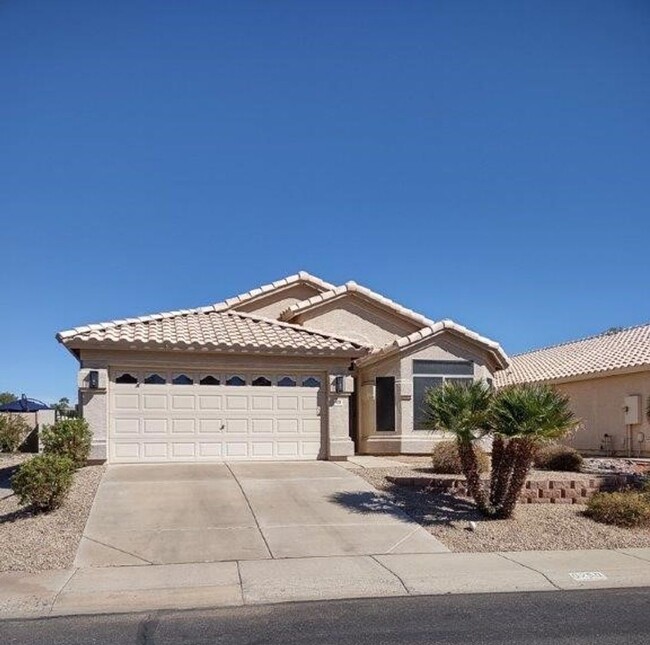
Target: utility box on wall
[632,409]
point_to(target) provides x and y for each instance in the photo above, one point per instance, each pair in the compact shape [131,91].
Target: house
[607,378]
[296,369]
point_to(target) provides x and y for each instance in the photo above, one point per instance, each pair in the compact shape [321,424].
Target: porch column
[339,442]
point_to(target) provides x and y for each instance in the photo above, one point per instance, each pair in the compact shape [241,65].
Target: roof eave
[74,345]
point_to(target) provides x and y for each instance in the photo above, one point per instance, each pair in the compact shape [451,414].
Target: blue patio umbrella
[23,404]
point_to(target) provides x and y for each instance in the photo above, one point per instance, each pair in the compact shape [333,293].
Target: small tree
[463,410]
[13,430]
[70,438]
[7,397]
[523,417]
[520,418]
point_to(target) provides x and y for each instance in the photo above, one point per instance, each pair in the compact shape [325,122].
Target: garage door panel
[311,426]
[127,402]
[288,448]
[209,402]
[288,402]
[236,449]
[182,401]
[236,426]
[262,426]
[236,402]
[262,449]
[209,450]
[192,422]
[288,426]
[126,426]
[183,426]
[154,426]
[154,450]
[154,401]
[211,426]
[183,450]
[127,451]
[262,402]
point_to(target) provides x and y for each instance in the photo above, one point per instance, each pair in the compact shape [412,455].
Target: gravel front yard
[534,527]
[38,542]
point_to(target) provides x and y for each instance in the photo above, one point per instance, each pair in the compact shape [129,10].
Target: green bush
[445,460]
[627,508]
[68,438]
[43,482]
[13,430]
[557,457]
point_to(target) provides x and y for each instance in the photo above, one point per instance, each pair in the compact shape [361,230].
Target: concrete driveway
[177,513]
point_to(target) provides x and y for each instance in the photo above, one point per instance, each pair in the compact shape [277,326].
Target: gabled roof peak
[364,292]
[434,329]
[301,276]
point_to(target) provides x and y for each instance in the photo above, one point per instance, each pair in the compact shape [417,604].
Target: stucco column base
[341,449]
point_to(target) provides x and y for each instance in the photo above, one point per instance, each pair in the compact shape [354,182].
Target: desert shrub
[13,430]
[627,508]
[43,482]
[68,438]
[557,457]
[445,459]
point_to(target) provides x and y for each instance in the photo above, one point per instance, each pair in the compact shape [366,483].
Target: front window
[432,374]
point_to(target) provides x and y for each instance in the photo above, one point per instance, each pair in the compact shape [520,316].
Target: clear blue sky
[484,161]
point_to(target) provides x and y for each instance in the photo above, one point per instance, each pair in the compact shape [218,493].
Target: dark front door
[385,403]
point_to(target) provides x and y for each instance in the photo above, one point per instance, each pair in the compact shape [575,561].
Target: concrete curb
[252,582]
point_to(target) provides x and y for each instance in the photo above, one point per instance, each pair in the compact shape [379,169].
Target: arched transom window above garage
[155,379]
[126,378]
[210,379]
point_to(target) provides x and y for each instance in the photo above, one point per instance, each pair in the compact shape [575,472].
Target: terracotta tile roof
[616,350]
[363,292]
[208,328]
[500,357]
[301,276]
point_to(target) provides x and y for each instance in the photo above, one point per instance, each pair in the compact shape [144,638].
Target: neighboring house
[607,378]
[297,369]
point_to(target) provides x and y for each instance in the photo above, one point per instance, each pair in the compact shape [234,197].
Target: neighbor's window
[155,379]
[182,379]
[286,381]
[210,380]
[235,380]
[125,377]
[311,382]
[261,381]
[431,374]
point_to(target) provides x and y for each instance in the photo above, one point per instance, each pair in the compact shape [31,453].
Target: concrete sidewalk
[218,584]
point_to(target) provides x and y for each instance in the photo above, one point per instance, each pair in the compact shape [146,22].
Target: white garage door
[185,416]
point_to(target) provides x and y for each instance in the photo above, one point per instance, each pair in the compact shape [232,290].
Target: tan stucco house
[607,378]
[296,369]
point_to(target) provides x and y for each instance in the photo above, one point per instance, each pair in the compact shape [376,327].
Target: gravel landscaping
[36,542]
[534,527]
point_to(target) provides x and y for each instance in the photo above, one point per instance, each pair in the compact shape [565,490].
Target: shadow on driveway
[426,507]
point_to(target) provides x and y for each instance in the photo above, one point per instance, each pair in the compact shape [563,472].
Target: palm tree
[523,416]
[463,409]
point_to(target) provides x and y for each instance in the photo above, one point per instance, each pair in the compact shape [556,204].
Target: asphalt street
[610,617]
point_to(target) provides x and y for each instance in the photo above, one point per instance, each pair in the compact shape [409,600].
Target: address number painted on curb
[587,576]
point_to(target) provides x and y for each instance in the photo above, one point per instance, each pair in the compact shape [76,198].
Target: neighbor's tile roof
[208,328]
[627,348]
[364,292]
